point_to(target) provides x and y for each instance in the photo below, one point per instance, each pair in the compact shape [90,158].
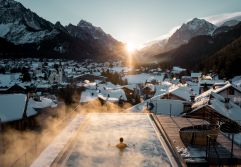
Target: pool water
[95,143]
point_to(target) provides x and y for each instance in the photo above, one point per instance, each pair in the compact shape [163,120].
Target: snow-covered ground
[142,78]
[120,69]
[96,142]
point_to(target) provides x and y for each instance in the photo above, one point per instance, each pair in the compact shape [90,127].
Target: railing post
[156,107]
[232,145]
[170,109]
[25,159]
[207,147]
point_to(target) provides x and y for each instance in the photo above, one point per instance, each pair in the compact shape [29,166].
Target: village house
[229,91]
[196,76]
[84,77]
[25,108]
[221,111]
[56,76]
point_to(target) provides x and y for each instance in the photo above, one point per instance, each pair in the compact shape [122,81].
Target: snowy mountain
[20,25]
[230,23]
[219,52]
[86,31]
[181,36]
[189,30]
[150,49]
[226,26]
[35,36]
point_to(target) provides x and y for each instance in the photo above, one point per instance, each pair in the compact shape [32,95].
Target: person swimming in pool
[121,145]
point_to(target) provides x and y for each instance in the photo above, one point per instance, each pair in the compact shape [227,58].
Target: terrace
[215,152]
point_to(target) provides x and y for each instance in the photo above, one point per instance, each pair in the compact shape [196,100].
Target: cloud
[162,37]
[167,35]
[215,19]
[221,18]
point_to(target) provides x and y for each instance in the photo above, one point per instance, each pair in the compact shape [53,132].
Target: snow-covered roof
[150,86]
[90,85]
[217,103]
[7,80]
[105,91]
[43,85]
[110,99]
[108,85]
[88,95]
[196,74]
[194,87]
[177,70]
[12,107]
[232,112]
[208,92]
[43,103]
[22,85]
[160,89]
[113,93]
[207,77]
[237,81]
[183,91]
[200,103]
[212,82]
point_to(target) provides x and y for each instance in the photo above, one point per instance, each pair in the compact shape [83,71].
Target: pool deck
[170,126]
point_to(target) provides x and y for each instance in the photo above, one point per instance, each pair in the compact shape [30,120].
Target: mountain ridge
[25,28]
[199,50]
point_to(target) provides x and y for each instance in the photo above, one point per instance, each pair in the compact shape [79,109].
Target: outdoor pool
[96,140]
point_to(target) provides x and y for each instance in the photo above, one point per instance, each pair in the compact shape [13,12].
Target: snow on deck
[95,145]
[48,156]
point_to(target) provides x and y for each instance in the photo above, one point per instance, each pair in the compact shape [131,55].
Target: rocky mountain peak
[84,23]
[189,30]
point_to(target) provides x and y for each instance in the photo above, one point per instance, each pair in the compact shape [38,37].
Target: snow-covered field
[143,77]
[96,142]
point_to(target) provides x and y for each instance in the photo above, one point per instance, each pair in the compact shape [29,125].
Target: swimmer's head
[121,139]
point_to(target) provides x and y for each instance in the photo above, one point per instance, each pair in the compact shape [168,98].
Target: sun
[131,47]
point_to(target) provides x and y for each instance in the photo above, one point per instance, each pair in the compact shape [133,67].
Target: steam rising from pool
[17,143]
[95,145]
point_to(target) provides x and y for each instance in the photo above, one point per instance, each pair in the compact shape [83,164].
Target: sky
[131,21]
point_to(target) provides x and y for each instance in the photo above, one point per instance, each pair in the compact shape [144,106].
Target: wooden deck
[171,127]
